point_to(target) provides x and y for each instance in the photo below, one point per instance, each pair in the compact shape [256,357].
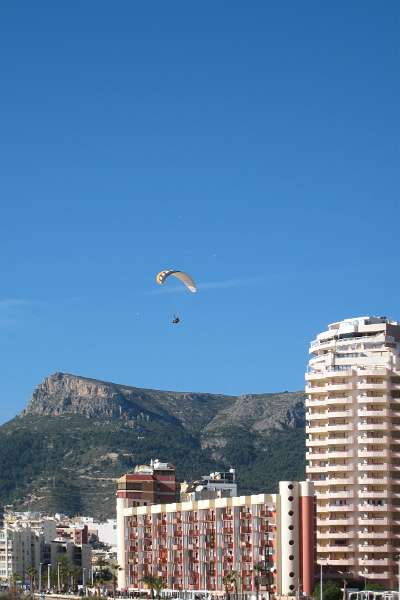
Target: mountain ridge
[64,462]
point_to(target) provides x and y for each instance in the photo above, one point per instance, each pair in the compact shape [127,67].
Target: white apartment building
[215,485]
[20,548]
[30,540]
[353,446]
[106,531]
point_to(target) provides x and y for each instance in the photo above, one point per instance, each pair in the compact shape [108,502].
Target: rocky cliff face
[62,393]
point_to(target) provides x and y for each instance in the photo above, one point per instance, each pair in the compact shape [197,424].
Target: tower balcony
[323,548]
[332,481]
[381,399]
[337,520]
[379,575]
[329,495]
[372,372]
[371,439]
[372,547]
[380,495]
[373,481]
[373,427]
[372,386]
[382,521]
[340,561]
[331,508]
[331,441]
[313,389]
[347,385]
[383,413]
[374,562]
[330,469]
[377,468]
[329,401]
[373,508]
[373,453]
[337,535]
[329,454]
[379,535]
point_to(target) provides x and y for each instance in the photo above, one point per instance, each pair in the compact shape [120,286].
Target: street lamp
[321,595]
[398,578]
[48,577]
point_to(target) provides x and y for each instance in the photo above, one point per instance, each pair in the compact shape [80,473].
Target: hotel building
[193,545]
[353,446]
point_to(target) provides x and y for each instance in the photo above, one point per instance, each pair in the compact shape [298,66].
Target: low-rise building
[195,545]
[78,558]
[216,485]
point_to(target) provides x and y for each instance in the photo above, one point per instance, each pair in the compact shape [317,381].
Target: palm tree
[231,580]
[258,570]
[226,580]
[102,574]
[31,572]
[15,578]
[158,586]
[150,582]
[114,568]
[235,578]
[64,571]
[74,573]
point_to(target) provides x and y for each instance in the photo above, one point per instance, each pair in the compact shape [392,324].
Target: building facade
[216,485]
[194,545]
[353,446]
[20,548]
[77,557]
[29,540]
[147,485]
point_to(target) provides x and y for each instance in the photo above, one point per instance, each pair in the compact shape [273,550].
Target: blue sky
[255,145]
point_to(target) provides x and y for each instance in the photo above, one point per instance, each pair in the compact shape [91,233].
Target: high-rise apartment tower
[353,446]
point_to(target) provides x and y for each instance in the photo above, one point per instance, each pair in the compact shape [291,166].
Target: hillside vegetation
[77,435]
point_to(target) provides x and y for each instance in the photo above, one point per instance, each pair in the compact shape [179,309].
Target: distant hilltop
[77,435]
[63,393]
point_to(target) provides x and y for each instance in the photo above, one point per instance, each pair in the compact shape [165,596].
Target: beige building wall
[353,446]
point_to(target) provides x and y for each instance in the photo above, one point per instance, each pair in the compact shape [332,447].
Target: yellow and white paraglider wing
[184,277]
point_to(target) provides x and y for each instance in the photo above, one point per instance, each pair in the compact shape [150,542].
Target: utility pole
[321,595]
[48,576]
[58,577]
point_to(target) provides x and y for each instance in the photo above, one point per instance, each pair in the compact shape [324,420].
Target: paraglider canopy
[184,277]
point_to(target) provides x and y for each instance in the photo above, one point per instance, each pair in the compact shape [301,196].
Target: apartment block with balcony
[21,547]
[192,545]
[216,485]
[353,446]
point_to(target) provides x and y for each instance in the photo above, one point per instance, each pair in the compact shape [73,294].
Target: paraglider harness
[176,320]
